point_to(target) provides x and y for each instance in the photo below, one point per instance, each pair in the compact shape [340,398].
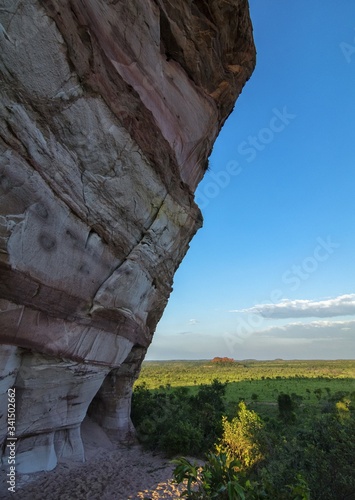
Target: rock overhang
[109,111]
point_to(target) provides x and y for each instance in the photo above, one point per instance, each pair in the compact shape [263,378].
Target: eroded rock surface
[108,114]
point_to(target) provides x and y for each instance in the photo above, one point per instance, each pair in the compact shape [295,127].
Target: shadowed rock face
[109,110]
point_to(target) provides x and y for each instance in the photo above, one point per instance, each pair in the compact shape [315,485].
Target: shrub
[221,479]
[286,406]
[176,422]
[217,479]
[241,438]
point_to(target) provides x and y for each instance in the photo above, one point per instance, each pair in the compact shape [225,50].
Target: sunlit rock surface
[108,114]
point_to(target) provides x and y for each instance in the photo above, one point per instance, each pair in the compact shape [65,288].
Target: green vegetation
[176,421]
[216,479]
[192,373]
[241,438]
[258,381]
[276,430]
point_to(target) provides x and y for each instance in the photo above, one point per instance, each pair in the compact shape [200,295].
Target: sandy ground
[109,473]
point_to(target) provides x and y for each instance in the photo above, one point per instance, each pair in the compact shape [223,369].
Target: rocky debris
[108,113]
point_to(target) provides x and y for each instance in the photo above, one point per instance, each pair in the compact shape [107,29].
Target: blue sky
[271,274]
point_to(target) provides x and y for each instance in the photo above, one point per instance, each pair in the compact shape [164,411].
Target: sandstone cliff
[109,110]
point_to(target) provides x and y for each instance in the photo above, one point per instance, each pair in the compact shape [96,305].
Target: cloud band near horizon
[344,305]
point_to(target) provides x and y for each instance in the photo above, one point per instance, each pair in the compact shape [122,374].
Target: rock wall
[108,113]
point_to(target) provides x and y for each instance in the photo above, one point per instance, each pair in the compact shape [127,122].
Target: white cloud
[315,330]
[193,322]
[343,305]
[297,340]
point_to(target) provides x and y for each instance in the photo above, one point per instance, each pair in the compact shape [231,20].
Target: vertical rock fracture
[108,114]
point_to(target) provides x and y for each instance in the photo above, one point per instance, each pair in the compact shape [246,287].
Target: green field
[300,415]
[259,382]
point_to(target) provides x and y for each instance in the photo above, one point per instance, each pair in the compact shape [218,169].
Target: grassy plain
[257,382]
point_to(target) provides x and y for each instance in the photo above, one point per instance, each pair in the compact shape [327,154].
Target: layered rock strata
[108,114]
